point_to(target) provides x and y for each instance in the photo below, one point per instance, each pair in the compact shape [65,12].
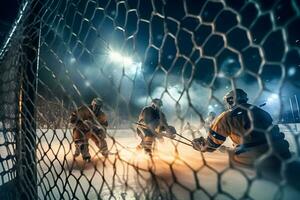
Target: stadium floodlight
[127,61]
[273,98]
[292,71]
[117,57]
[87,83]
[72,60]
[132,67]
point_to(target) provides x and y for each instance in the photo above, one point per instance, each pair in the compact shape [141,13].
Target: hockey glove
[199,144]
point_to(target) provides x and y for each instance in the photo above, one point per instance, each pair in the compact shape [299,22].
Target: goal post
[25,35]
[27,173]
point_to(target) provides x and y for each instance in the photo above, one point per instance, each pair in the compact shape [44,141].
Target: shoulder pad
[221,116]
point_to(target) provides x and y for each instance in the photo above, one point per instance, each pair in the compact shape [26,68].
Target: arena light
[291,71]
[132,66]
[119,58]
[210,108]
[115,56]
[72,60]
[87,83]
[273,98]
[127,60]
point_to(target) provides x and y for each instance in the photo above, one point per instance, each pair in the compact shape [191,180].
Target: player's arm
[141,117]
[217,135]
[163,120]
[103,120]
[140,123]
[170,131]
[74,119]
[145,117]
[77,121]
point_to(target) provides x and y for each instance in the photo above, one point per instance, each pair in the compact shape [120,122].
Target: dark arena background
[57,55]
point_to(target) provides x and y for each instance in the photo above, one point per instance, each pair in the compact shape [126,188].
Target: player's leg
[81,144]
[103,147]
[147,143]
[77,142]
[100,142]
[85,149]
[141,135]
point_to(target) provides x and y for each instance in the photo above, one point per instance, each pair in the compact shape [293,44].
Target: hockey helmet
[157,102]
[97,104]
[235,97]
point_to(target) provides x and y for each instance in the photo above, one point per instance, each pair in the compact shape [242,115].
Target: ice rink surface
[128,173]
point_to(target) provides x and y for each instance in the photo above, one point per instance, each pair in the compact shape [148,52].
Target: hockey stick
[145,126]
[222,148]
[182,142]
[183,137]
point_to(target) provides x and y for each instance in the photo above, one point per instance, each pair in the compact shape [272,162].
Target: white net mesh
[187,53]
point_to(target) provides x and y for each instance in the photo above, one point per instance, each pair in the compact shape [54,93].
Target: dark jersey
[154,119]
[85,113]
[152,116]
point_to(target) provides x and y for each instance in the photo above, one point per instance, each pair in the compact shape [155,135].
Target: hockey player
[152,124]
[249,127]
[90,122]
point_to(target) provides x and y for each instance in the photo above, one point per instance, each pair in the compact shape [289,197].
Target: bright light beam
[117,57]
[131,66]
[127,60]
[72,60]
[87,83]
[273,98]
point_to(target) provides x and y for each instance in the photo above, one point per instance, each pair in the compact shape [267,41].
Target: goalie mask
[97,104]
[235,97]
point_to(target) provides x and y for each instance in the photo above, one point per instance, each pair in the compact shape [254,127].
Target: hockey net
[188,53]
